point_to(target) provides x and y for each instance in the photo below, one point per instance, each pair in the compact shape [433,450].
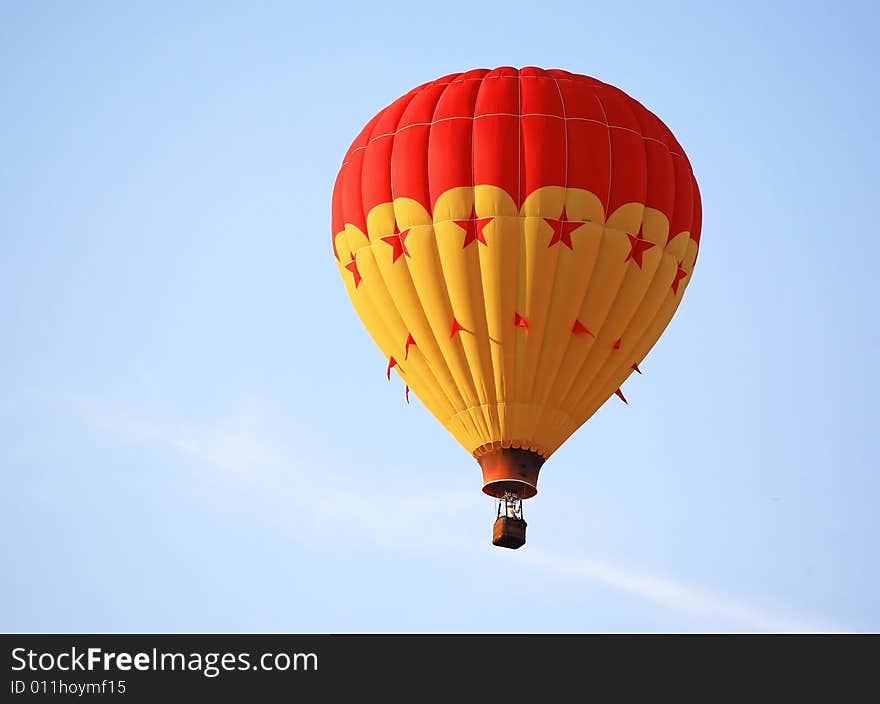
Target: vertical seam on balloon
[431,378]
[347,216]
[364,208]
[415,291]
[551,380]
[552,374]
[476,365]
[590,279]
[497,392]
[519,344]
[668,133]
[589,401]
[461,396]
[608,213]
[440,355]
[519,137]
[337,187]
[565,131]
[607,207]
[380,310]
[346,210]
[609,363]
[536,420]
[696,207]
[580,378]
[460,351]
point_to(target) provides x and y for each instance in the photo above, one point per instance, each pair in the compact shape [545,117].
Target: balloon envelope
[515,242]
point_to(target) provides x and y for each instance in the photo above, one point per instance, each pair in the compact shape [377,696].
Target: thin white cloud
[670,594]
[243,451]
[249,452]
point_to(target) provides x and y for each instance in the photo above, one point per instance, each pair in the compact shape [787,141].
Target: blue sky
[177,457]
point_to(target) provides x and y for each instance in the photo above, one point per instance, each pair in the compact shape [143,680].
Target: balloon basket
[509,532]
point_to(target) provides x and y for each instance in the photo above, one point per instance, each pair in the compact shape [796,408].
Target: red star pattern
[456,327]
[473,228]
[638,245]
[410,340]
[398,243]
[353,268]
[520,322]
[621,396]
[391,364]
[679,275]
[562,229]
[580,329]
[636,367]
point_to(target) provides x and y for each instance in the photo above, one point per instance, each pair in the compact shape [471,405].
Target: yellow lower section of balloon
[495,383]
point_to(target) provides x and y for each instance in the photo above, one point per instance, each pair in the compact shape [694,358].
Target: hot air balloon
[515,241]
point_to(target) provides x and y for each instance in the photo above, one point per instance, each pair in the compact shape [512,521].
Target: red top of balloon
[519,130]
